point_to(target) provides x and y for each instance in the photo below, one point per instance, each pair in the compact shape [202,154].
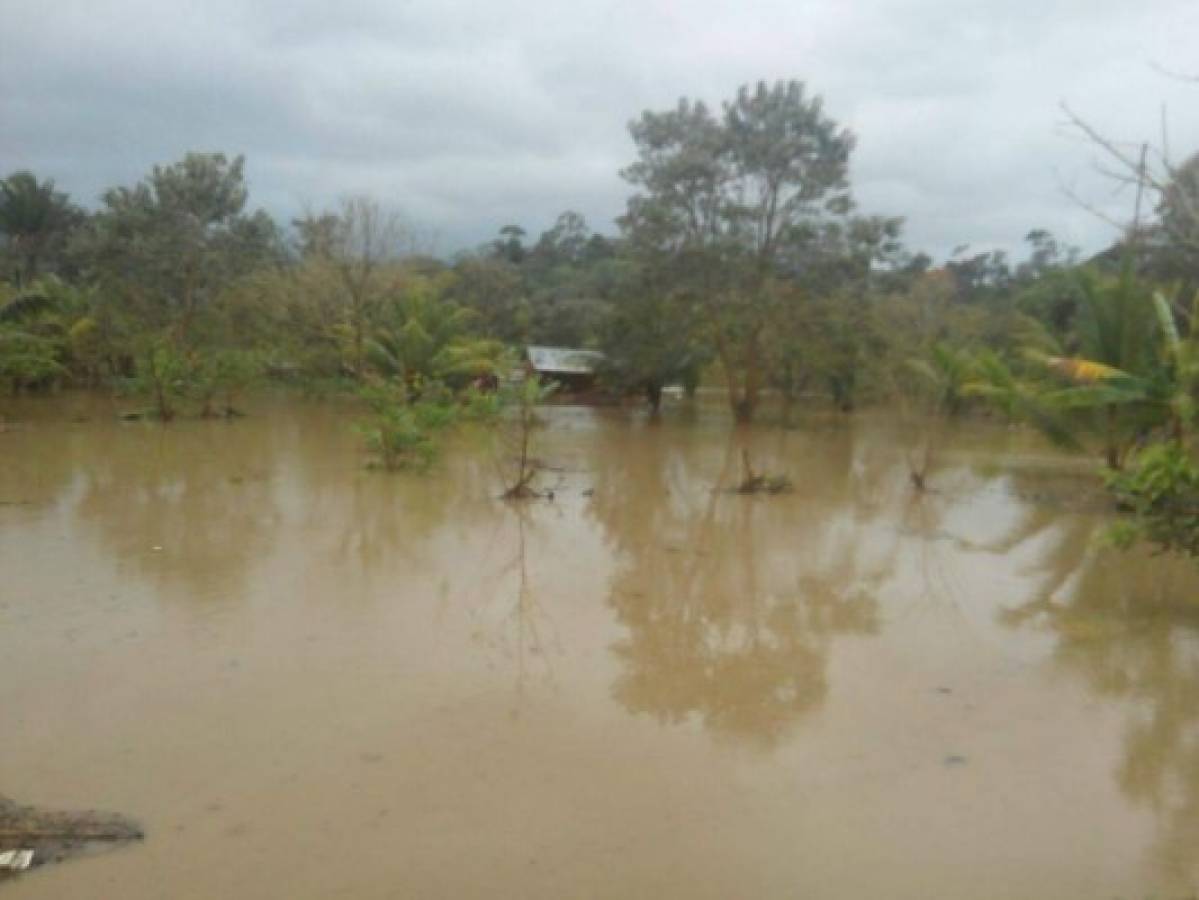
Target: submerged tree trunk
[743,410]
[743,396]
[752,364]
[653,394]
[744,380]
[841,387]
[1112,448]
[359,345]
[165,411]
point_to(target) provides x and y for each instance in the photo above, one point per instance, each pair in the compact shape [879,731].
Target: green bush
[26,360]
[475,405]
[398,441]
[163,375]
[1160,491]
[222,375]
[404,435]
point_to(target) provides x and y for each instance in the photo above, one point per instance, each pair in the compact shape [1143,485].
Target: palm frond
[1096,396]
[1165,320]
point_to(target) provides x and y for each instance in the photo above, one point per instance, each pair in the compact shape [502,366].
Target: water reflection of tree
[381,516]
[731,603]
[1128,627]
[218,498]
[49,444]
[1059,522]
[192,505]
[511,620]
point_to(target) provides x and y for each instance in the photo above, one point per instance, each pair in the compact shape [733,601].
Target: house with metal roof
[574,369]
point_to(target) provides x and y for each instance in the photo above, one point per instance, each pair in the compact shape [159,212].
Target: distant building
[574,370]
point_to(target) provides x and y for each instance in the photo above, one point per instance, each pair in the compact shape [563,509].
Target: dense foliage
[741,260]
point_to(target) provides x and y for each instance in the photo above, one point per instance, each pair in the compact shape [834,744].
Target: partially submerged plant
[220,378]
[476,404]
[524,399]
[400,434]
[164,375]
[1161,491]
[758,483]
[939,381]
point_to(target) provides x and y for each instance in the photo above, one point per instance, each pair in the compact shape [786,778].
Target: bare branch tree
[363,238]
[1149,170]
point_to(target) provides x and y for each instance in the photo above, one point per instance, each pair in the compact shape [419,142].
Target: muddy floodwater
[306,679]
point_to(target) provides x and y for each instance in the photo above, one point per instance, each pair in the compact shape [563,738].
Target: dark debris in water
[57,836]
[758,483]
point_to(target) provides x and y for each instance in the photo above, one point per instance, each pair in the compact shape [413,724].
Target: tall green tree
[165,248]
[494,287]
[649,341]
[722,199]
[567,283]
[35,221]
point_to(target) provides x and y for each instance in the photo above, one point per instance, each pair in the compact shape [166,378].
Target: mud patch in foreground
[57,836]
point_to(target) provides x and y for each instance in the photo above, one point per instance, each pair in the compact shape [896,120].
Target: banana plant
[1123,381]
[1133,403]
[1019,398]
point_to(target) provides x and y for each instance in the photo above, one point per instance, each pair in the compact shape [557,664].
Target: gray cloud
[468,116]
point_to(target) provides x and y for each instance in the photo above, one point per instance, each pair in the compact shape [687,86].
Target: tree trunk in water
[788,405]
[730,377]
[165,413]
[743,397]
[358,347]
[753,381]
[653,393]
[1112,449]
[744,408]
[744,402]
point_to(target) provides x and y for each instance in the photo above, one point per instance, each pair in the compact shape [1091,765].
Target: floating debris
[31,837]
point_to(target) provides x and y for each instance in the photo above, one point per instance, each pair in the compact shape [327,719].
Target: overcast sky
[469,115]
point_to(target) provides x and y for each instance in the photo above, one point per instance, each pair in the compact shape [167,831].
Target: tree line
[741,259]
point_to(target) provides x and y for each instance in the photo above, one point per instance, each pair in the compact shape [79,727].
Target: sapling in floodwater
[753,482]
[404,435]
[222,376]
[941,385]
[164,375]
[524,399]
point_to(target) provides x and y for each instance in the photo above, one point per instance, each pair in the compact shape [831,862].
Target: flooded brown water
[311,680]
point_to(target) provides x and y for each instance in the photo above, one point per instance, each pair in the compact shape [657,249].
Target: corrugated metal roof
[564,360]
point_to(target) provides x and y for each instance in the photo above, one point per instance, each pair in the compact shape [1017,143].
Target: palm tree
[1133,374]
[425,337]
[946,372]
[1127,378]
